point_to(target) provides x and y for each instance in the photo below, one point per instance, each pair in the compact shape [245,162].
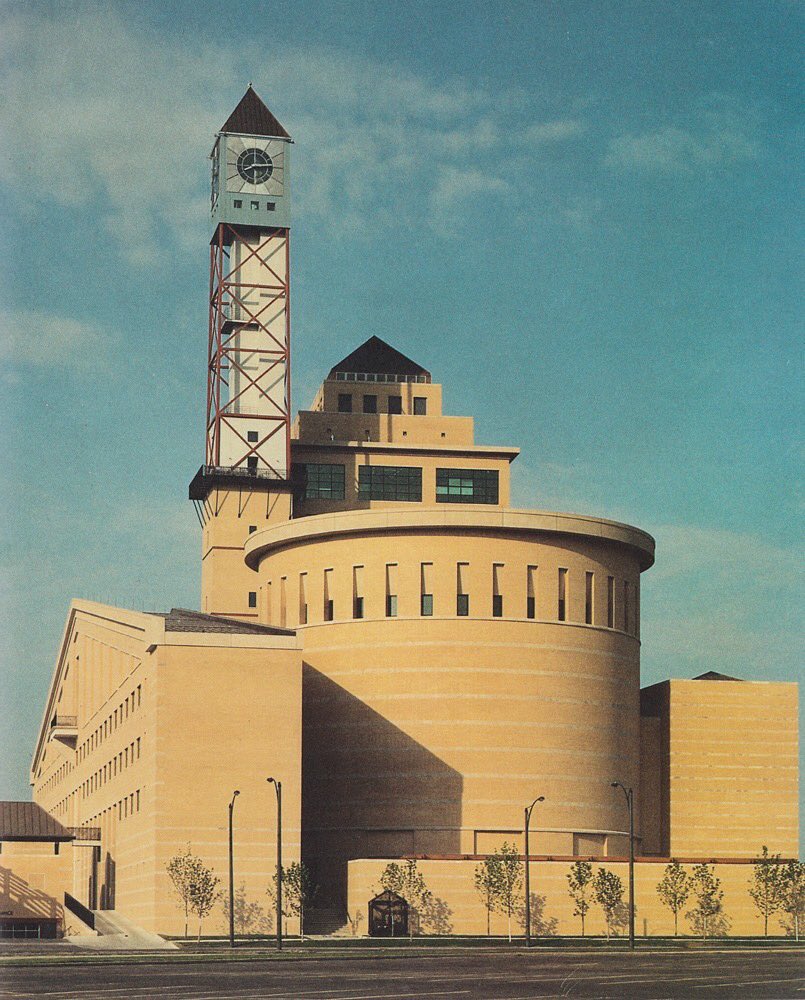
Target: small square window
[251,436]
[252,598]
[252,528]
[238,203]
[420,406]
[251,463]
[345,402]
[370,404]
[270,206]
[255,204]
[395,404]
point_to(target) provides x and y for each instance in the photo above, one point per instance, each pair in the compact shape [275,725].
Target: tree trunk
[607,918]
[509,920]
[302,924]
[198,939]
[488,918]
[766,924]
[796,926]
[582,925]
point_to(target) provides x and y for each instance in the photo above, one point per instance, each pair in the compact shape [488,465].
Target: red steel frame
[227,291]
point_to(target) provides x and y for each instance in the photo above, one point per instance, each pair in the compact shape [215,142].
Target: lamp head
[615,784]
[270,781]
[235,793]
[541,798]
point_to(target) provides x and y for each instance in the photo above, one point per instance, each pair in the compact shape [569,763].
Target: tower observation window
[390,482]
[467,486]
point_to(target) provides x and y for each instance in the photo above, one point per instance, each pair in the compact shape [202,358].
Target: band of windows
[393,482]
[588,613]
[389,482]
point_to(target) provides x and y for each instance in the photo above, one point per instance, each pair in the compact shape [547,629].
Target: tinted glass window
[389,482]
[467,486]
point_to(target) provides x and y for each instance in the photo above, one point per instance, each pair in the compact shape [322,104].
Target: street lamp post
[630,803]
[278,789]
[232,874]
[528,812]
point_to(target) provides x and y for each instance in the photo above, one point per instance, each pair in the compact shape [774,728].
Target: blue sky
[582,217]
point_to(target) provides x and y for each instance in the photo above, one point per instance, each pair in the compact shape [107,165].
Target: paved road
[457,976]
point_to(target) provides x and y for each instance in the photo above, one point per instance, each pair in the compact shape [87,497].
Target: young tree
[505,873]
[578,881]
[203,892]
[766,885]
[485,882]
[792,902]
[408,882]
[608,889]
[180,869]
[707,892]
[298,891]
[674,889]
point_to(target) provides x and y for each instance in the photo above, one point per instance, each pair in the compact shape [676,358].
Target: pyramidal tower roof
[252,117]
[375,356]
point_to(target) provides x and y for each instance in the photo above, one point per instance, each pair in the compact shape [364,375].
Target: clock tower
[244,481]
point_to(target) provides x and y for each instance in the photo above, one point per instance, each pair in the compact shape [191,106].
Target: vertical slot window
[391,590]
[328,595]
[561,610]
[357,591]
[531,592]
[497,595]
[637,609]
[462,593]
[610,602]
[303,598]
[589,585]
[625,605]
[283,601]
[426,590]
[252,604]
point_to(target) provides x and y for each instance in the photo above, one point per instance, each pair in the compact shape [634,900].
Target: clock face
[255,166]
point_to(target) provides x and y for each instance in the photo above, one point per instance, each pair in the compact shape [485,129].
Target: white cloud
[33,338]
[555,131]
[108,117]
[723,600]
[714,137]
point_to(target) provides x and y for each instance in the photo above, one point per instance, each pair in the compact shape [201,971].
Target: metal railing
[379,377]
[240,471]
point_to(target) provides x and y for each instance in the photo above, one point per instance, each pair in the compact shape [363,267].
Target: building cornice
[319,527]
